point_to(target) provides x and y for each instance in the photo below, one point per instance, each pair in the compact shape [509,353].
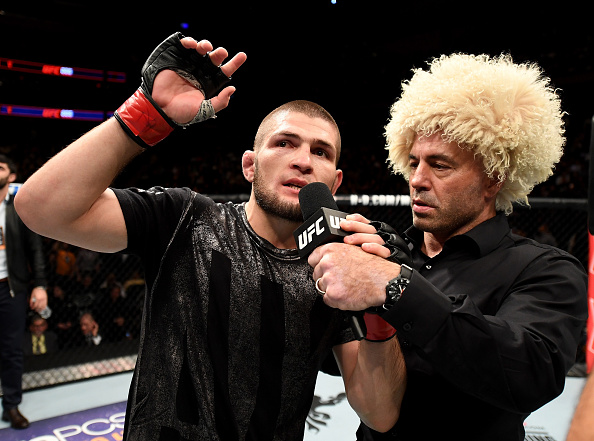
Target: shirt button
[428,267]
[407,327]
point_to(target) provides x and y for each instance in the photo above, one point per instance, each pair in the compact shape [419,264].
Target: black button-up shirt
[489,328]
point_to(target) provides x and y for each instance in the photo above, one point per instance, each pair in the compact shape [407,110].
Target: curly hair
[506,112]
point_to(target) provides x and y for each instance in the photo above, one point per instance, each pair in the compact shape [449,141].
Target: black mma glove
[400,253]
[141,118]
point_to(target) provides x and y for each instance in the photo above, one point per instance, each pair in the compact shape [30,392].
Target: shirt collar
[483,238]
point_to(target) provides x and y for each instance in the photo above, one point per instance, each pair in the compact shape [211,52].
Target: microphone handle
[358,324]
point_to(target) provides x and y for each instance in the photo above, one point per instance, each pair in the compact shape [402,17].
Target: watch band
[396,286]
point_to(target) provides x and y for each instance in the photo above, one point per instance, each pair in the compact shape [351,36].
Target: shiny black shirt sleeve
[498,316]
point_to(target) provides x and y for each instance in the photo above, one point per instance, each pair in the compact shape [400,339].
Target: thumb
[221,101]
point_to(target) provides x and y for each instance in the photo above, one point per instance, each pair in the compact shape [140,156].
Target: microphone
[322,225]
[321,219]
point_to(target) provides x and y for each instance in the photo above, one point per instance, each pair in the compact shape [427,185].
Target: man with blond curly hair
[488,321]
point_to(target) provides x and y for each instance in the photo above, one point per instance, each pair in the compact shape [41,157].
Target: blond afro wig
[506,112]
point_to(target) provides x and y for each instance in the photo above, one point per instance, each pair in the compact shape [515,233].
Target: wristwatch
[396,286]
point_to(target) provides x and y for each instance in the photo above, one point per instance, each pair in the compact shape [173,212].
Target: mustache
[424,197]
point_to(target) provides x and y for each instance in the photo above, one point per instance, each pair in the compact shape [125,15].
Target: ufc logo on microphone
[307,236]
[321,227]
[335,221]
[317,228]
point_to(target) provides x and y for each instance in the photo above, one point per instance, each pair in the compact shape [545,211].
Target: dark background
[350,57]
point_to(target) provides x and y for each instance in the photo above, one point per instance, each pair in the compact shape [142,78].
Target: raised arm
[68,199]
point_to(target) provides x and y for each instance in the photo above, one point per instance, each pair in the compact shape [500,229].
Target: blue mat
[106,422]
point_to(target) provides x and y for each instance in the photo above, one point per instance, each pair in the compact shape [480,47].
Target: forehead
[436,145]
[304,126]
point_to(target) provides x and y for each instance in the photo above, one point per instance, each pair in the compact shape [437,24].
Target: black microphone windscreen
[314,196]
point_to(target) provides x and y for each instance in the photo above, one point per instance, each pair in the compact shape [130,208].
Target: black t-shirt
[233,331]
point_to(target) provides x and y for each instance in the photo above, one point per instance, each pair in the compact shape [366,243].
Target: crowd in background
[213,169]
[94,299]
[108,291]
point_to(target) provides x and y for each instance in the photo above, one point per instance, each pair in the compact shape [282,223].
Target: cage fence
[108,289]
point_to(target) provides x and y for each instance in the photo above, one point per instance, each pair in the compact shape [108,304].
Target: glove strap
[143,120]
[378,330]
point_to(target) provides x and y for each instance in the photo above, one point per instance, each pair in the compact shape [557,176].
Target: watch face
[394,291]
[402,284]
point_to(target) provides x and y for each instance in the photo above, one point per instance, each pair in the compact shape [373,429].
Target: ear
[248,165]
[492,186]
[11,178]
[337,181]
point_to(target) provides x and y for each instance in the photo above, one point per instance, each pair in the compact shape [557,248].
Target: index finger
[358,217]
[357,226]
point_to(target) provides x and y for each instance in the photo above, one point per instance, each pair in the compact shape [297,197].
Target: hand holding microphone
[349,277]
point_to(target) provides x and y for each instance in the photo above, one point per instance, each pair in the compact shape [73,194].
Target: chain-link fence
[86,287]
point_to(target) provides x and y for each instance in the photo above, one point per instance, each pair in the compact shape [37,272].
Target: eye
[439,166]
[282,143]
[321,152]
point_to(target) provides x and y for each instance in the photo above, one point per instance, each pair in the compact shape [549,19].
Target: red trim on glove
[377,328]
[143,120]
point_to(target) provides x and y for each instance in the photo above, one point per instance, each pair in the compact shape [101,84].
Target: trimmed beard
[4,183]
[270,203]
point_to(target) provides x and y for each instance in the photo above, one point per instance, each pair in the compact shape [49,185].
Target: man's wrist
[395,288]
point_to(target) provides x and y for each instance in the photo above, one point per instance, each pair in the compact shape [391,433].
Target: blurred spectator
[113,310]
[64,318]
[88,261]
[64,261]
[85,291]
[39,340]
[110,281]
[135,288]
[544,235]
[90,329]
[135,280]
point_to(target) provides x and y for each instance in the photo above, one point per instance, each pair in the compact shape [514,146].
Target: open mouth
[294,186]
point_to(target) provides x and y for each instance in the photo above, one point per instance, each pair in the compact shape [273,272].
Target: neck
[277,231]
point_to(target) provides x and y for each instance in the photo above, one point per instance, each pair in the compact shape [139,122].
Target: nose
[301,159]
[419,177]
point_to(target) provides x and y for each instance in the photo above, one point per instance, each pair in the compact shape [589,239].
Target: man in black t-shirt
[233,331]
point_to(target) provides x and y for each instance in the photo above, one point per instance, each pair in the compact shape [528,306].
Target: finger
[218,56]
[221,101]
[202,46]
[314,258]
[376,249]
[357,227]
[357,217]
[233,64]
[361,238]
